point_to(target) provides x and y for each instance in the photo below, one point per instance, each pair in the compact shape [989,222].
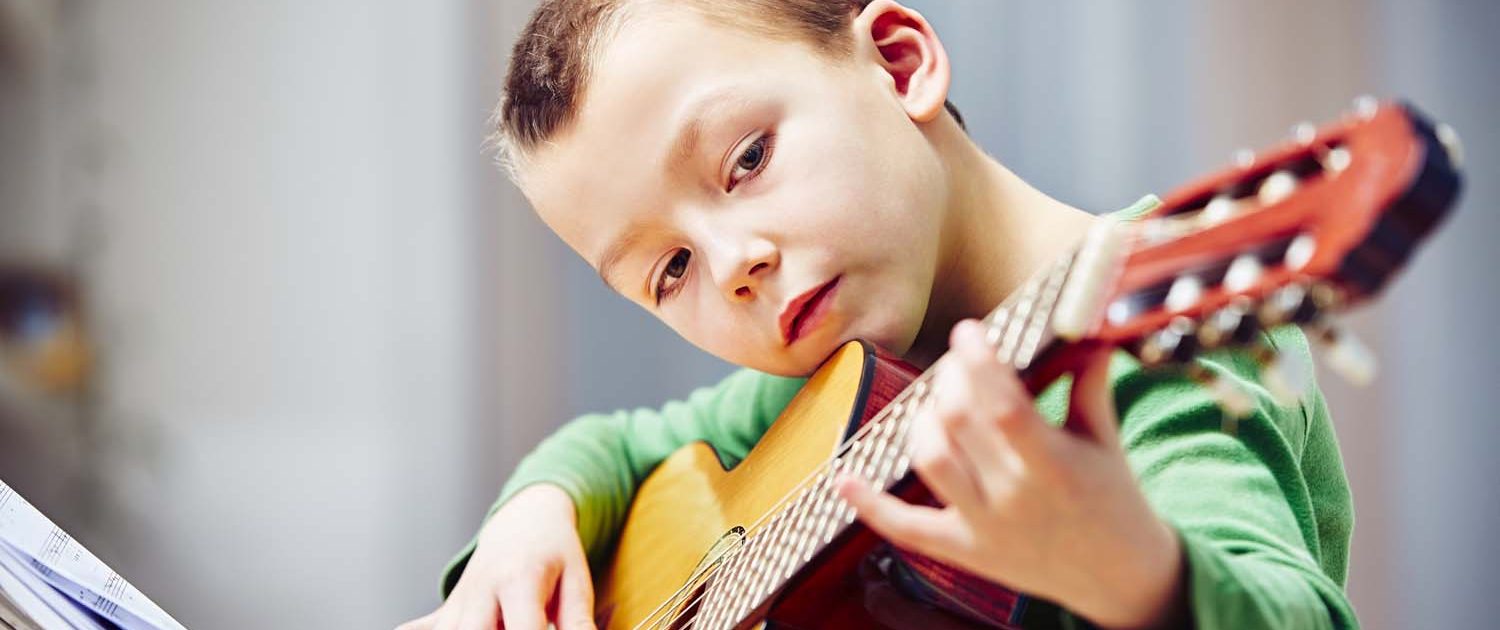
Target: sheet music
[47,553]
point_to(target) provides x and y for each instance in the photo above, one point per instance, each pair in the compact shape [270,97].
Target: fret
[1013,328]
[804,518]
[770,544]
[790,540]
[713,593]
[1043,316]
[735,577]
[806,544]
[880,436]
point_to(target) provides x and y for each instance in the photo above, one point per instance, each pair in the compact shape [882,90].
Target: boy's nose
[758,259]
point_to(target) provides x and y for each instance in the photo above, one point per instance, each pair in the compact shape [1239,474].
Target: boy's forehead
[654,83]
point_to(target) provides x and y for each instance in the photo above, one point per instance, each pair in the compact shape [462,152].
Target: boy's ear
[907,48]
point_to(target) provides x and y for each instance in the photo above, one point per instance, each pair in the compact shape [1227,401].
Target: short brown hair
[551,62]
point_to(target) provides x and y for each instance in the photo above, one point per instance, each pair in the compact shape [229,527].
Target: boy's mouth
[805,310]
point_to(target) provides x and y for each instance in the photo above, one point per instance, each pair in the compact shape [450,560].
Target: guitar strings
[797,491]
[885,414]
[756,527]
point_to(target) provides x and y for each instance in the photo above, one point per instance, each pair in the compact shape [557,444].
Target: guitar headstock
[1292,235]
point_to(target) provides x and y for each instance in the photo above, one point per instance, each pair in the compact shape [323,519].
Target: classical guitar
[1293,235]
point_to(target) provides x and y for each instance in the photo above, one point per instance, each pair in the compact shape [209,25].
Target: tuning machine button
[1344,353]
[1366,106]
[1233,400]
[1286,379]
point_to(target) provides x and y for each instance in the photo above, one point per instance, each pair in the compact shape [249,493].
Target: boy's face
[717,176]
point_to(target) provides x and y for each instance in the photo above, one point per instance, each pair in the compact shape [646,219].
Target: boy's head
[717,159]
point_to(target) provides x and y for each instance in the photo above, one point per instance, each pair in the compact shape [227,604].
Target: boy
[774,177]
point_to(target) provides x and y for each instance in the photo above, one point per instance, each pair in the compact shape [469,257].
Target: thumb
[1091,404]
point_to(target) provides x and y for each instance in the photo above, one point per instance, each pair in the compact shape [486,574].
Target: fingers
[427,622]
[979,450]
[938,461]
[523,601]
[475,614]
[997,396]
[575,594]
[1091,404]
[922,529]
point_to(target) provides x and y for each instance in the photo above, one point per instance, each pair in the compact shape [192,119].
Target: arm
[1142,512]
[1263,515]
[600,459]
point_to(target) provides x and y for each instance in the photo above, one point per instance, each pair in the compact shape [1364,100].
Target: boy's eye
[751,162]
[671,275]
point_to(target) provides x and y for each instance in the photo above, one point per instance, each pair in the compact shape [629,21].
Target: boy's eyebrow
[615,252]
[682,150]
[697,113]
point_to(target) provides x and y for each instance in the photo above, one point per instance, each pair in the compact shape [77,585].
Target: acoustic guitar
[1293,235]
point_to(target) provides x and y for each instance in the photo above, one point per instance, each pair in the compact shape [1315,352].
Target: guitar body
[689,503]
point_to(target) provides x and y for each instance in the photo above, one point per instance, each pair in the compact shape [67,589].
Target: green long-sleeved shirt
[1264,514]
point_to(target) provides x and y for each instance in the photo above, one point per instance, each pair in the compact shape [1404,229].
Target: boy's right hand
[528,569]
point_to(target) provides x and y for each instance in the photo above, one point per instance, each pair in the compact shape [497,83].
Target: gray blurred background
[322,327]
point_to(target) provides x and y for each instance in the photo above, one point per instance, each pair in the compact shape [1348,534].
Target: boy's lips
[795,316]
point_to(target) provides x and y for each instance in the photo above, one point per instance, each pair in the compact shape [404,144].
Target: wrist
[1153,593]
[540,501]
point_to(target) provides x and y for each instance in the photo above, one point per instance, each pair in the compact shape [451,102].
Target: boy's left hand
[1051,512]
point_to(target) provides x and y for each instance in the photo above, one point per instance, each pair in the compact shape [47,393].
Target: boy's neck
[998,231]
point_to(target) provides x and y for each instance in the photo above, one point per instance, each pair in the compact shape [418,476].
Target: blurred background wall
[324,326]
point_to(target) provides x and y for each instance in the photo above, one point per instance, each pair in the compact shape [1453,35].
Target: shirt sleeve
[600,459]
[1261,505]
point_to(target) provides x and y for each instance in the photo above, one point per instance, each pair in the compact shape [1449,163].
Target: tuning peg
[1244,158]
[1286,379]
[1276,187]
[1218,209]
[1243,273]
[1175,342]
[1304,132]
[1185,293]
[1448,137]
[1233,400]
[1366,106]
[1287,304]
[1345,354]
[1336,160]
[1229,325]
[1300,251]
